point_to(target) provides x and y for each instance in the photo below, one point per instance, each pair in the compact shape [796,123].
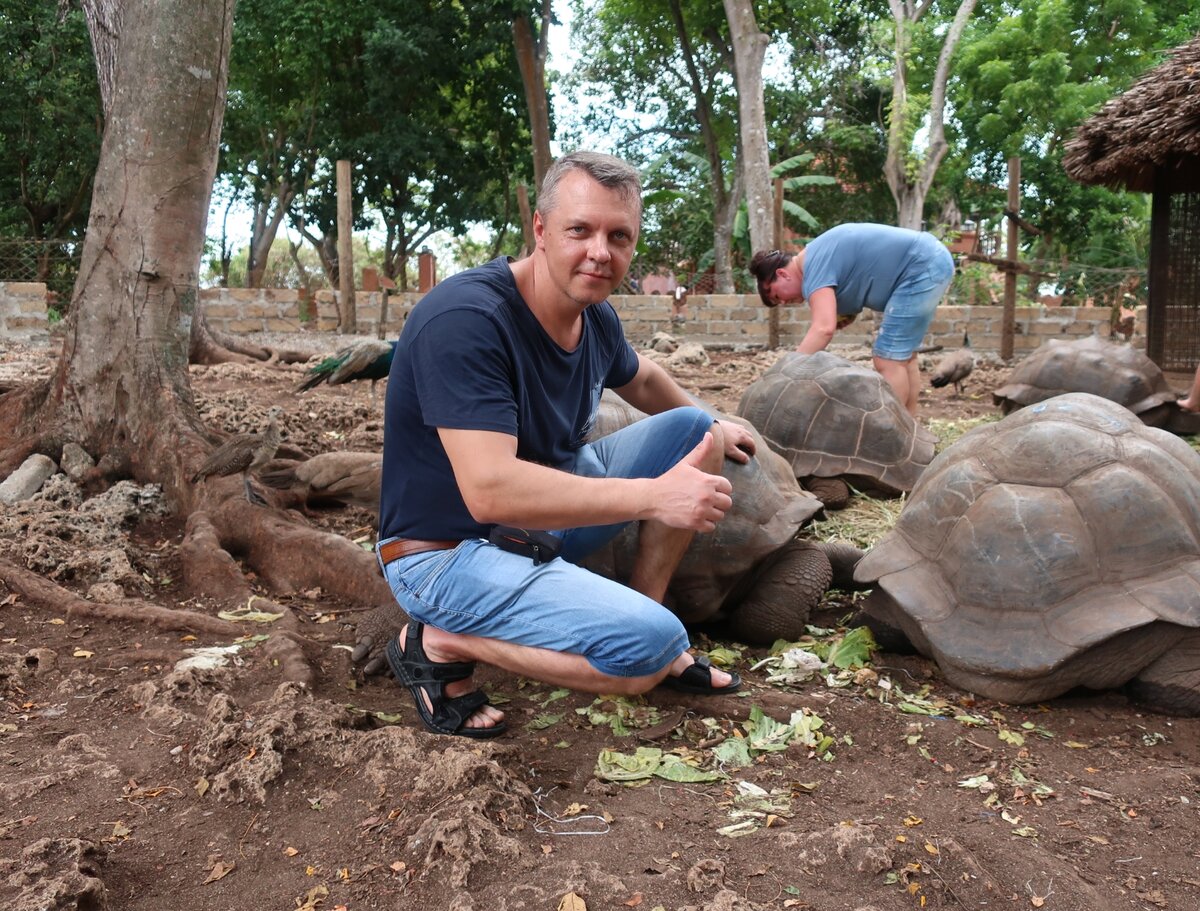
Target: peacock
[370,360]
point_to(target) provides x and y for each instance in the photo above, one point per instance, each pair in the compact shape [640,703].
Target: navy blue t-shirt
[472,356]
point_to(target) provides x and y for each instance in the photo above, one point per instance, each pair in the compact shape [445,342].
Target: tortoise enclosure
[219,786]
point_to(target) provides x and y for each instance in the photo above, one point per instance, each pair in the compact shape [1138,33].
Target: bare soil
[132,781]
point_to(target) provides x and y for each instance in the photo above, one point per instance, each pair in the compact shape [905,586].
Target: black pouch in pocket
[538,546]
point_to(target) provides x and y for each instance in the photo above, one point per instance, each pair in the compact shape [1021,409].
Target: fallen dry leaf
[219,871]
[634,901]
[312,898]
[571,902]
[290,852]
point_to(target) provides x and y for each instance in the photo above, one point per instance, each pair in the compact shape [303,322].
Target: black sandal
[425,678]
[697,678]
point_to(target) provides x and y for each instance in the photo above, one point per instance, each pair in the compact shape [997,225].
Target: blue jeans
[480,590]
[910,309]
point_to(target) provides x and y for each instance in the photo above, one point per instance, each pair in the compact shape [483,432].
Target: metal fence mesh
[55,262]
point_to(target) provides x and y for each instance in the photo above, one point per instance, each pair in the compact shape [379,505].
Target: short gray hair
[607,170]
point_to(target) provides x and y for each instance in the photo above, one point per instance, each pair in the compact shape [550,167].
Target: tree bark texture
[724,202]
[910,174]
[749,49]
[531,57]
[122,383]
[104,28]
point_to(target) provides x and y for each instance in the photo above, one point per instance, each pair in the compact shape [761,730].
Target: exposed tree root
[209,346]
[41,592]
[289,556]
[208,569]
[284,645]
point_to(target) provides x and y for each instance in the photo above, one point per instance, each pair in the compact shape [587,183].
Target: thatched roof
[1154,124]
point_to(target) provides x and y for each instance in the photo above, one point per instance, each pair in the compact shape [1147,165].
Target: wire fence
[54,262]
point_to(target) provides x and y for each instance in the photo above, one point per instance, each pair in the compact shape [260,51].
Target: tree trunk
[531,57]
[121,386]
[266,229]
[910,174]
[749,49]
[722,205]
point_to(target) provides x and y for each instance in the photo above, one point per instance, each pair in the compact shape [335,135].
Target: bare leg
[904,378]
[660,547]
[1192,402]
[557,668]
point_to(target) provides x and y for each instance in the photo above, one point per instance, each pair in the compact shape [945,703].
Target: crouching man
[494,388]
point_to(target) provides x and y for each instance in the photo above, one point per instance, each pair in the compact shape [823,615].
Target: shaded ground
[131,781]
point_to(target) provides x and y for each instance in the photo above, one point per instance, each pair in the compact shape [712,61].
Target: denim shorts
[480,590]
[909,310]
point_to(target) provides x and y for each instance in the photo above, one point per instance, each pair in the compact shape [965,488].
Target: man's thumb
[701,451]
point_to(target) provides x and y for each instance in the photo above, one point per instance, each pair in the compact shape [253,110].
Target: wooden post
[1008,325]
[773,313]
[347,311]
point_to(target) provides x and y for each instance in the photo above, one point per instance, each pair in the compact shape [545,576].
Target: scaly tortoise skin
[1119,373]
[832,418]
[1057,548]
[752,570]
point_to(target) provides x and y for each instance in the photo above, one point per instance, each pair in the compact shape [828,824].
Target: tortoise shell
[830,417]
[1059,547]
[769,507]
[1119,373]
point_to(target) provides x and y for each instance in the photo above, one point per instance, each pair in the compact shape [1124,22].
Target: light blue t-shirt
[864,263]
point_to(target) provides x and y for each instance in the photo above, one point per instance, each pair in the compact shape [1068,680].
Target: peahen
[363,361]
[954,367]
[244,453]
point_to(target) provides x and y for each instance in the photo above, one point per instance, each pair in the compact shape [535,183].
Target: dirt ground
[134,779]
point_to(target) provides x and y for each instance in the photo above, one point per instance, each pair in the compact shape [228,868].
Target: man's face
[786,288]
[588,238]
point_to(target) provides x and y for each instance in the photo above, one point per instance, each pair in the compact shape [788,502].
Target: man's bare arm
[497,487]
[653,391]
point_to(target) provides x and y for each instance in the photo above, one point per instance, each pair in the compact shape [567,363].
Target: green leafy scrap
[621,713]
[543,721]
[853,650]
[555,696]
[733,753]
[765,734]
[650,762]
[724,657]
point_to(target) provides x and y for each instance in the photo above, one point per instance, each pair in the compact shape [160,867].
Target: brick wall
[742,319]
[22,309]
[714,319]
[279,310]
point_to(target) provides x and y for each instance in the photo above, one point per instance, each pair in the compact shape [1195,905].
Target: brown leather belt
[406,547]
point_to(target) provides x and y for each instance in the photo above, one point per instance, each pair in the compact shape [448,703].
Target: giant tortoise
[1120,373]
[753,569]
[1057,548]
[834,419]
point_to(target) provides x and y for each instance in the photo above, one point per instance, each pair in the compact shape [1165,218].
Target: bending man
[495,385]
[900,273]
